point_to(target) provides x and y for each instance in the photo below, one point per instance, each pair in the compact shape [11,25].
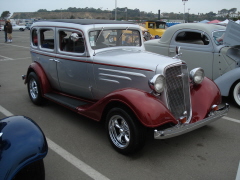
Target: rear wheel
[34,90]
[125,133]
[236,93]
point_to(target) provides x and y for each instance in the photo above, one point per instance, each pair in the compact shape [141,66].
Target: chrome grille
[178,90]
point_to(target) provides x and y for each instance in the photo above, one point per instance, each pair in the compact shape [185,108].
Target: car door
[72,63]
[196,48]
[43,51]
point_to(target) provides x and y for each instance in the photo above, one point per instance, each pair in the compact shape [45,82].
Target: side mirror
[178,50]
[178,54]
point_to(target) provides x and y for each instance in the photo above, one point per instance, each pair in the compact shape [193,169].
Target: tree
[5,14]
[42,10]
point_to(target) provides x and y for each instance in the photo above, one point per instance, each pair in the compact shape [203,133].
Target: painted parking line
[231,119]
[5,58]
[10,59]
[15,45]
[238,173]
[67,156]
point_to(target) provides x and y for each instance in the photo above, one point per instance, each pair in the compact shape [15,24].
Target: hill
[61,15]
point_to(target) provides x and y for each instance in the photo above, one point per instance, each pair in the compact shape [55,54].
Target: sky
[176,6]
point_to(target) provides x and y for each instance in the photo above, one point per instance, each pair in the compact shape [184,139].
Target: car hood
[134,58]
[232,34]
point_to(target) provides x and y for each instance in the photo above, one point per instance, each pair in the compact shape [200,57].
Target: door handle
[56,60]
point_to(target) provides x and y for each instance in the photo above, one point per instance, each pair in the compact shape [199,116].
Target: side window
[34,37]
[70,41]
[47,38]
[151,25]
[192,38]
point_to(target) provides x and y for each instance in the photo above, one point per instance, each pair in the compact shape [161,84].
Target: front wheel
[125,133]
[34,90]
[236,93]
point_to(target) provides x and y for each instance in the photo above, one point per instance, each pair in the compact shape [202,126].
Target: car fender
[22,142]
[149,110]
[203,97]
[226,81]
[44,83]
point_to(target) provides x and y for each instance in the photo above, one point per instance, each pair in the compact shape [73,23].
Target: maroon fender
[147,108]
[203,96]
[44,83]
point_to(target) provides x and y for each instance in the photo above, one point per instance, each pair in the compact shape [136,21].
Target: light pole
[126,13]
[188,14]
[61,13]
[184,10]
[115,10]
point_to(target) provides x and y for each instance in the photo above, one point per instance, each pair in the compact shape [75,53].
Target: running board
[64,100]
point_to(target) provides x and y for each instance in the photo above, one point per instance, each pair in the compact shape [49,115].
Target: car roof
[86,21]
[208,28]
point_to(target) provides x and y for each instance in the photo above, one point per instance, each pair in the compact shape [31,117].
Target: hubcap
[119,131]
[33,89]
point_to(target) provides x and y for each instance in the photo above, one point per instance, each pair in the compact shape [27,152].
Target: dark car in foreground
[22,149]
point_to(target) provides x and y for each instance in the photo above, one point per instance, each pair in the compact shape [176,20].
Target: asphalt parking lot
[79,148]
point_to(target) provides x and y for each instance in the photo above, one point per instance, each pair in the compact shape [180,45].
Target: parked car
[203,45]
[155,28]
[28,26]
[1,28]
[119,83]
[16,27]
[22,149]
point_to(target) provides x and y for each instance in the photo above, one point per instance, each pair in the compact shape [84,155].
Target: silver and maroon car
[133,91]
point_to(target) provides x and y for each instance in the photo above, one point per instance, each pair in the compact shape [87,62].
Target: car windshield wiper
[99,34]
[122,33]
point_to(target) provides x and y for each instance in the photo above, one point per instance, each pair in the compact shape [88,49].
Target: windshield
[114,37]
[218,37]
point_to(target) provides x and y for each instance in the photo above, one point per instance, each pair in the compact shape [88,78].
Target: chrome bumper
[184,128]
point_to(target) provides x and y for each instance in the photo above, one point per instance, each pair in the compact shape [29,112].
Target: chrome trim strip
[124,72]
[115,76]
[184,128]
[109,80]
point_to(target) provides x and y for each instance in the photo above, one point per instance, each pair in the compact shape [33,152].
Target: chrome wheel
[33,89]
[119,131]
[236,93]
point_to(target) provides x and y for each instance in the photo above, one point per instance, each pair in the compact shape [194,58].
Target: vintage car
[203,45]
[155,28]
[129,89]
[16,27]
[22,149]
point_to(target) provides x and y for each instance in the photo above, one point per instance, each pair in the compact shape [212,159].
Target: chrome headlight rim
[157,83]
[197,75]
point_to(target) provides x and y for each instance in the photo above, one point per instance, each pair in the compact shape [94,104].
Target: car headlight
[157,83]
[197,75]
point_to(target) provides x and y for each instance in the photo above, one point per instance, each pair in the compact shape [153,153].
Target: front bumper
[184,128]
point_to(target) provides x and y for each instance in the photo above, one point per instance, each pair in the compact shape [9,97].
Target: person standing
[5,31]
[9,31]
